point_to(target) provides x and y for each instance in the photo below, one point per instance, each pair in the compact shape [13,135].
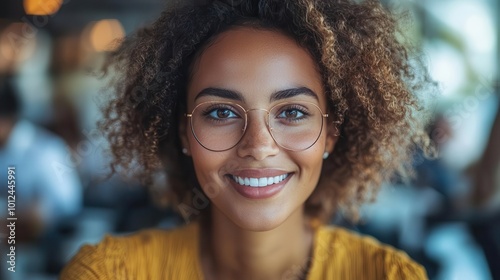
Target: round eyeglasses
[220,126]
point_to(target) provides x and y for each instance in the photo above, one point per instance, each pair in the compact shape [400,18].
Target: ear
[331,136]
[183,133]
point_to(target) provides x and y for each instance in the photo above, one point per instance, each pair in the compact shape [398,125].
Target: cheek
[314,155]
[310,163]
[205,163]
[209,167]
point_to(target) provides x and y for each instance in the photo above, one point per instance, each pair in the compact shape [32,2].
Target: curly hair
[373,89]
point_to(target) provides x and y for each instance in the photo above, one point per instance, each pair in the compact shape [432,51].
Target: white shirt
[43,176]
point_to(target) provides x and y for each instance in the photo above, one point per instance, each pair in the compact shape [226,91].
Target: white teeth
[254,182]
[270,180]
[277,179]
[262,182]
[259,182]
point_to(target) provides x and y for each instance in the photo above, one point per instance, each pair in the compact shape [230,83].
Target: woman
[268,117]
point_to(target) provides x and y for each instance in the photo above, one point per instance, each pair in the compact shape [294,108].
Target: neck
[236,253]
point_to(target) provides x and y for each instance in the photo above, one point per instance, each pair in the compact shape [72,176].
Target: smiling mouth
[258,182]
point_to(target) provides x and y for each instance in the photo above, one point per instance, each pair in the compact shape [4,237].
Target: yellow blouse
[173,254]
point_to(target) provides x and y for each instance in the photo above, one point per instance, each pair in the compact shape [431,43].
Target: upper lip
[258,173]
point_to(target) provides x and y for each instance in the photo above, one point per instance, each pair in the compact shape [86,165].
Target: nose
[257,141]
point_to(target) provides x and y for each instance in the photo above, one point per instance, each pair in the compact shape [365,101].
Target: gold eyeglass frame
[269,128]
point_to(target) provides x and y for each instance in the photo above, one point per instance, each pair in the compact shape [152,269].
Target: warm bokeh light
[104,34]
[42,7]
[17,44]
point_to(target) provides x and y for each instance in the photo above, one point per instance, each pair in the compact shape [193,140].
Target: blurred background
[447,218]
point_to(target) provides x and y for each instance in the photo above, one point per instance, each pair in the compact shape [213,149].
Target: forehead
[255,63]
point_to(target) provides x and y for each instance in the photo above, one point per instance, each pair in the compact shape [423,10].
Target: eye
[222,114]
[292,114]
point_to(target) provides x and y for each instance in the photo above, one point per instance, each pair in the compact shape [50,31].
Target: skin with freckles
[252,236]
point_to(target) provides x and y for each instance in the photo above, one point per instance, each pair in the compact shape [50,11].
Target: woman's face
[251,67]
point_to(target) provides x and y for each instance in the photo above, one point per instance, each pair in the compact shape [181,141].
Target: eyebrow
[278,95]
[292,92]
[219,92]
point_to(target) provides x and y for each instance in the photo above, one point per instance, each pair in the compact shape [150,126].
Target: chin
[258,220]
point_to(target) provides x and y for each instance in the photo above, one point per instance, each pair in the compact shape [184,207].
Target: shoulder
[363,256]
[141,254]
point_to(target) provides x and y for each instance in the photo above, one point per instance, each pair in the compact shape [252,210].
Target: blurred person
[486,183]
[401,214]
[434,173]
[47,188]
[486,197]
[268,117]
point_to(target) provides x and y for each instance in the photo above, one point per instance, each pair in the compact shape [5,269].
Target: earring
[185,151]
[325,155]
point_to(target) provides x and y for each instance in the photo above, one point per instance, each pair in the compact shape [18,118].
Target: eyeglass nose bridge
[266,119]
